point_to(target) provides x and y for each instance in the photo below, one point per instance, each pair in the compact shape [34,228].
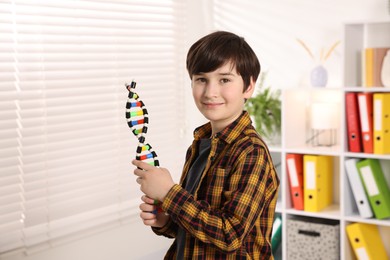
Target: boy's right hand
[149,218]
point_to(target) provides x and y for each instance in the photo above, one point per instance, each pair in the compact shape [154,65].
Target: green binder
[376,187]
[276,237]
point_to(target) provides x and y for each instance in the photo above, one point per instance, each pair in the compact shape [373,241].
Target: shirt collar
[229,133]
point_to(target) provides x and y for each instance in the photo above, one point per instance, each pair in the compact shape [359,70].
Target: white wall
[317,22]
[272,27]
[132,241]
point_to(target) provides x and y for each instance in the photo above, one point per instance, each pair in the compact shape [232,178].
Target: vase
[319,76]
[385,71]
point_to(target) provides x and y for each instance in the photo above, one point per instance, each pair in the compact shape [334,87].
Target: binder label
[361,253]
[364,113]
[378,115]
[310,175]
[293,172]
[369,180]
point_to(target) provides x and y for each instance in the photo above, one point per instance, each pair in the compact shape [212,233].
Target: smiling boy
[219,95]
[224,206]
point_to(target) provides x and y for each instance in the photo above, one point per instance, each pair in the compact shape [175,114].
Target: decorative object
[138,120]
[319,75]
[265,109]
[323,124]
[385,72]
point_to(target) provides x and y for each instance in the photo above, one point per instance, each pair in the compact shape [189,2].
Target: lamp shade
[323,116]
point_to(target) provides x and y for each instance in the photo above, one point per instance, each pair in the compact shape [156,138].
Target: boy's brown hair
[216,49]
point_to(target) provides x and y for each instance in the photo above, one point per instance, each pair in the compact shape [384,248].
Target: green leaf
[265,107]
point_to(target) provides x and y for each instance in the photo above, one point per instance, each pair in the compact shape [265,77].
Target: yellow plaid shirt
[231,213]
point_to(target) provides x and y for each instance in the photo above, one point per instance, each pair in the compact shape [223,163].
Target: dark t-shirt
[192,181]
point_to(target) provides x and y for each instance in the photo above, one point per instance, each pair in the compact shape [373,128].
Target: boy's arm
[252,189]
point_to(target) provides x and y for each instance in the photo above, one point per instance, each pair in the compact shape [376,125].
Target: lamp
[323,124]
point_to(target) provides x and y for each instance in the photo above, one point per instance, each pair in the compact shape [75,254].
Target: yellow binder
[366,241]
[368,67]
[317,175]
[381,123]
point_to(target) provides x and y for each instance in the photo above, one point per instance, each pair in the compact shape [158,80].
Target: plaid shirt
[231,213]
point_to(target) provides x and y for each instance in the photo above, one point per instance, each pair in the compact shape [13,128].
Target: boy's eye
[200,80]
[225,80]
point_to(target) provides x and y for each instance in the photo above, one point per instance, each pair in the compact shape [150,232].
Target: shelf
[331,212]
[367,155]
[275,148]
[318,150]
[279,208]
[357,218]
[357,37]
[366,89]
[297,123]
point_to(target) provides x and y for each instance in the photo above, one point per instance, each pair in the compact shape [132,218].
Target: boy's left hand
[151,219]
[155,182]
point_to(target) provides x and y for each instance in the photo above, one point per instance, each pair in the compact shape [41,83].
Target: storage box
[312,238]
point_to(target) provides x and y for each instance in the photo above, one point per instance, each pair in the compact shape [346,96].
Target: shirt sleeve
[169,230]
[245,198]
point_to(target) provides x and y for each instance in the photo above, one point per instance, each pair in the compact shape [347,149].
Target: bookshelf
[296,135]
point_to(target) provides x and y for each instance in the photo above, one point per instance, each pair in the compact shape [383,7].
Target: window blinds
[65,146]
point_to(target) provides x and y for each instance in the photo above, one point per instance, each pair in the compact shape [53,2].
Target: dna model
[138,120]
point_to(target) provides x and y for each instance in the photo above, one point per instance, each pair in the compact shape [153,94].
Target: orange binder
[294,164]
[366,121]
[353,122]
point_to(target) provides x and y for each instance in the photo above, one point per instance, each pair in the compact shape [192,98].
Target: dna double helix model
[138,120]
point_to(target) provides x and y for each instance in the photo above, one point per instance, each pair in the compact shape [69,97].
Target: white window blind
[65,145]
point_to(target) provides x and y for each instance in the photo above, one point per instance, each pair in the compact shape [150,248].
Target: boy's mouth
[211,104]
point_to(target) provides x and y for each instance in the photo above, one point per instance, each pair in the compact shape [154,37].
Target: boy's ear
[249,91]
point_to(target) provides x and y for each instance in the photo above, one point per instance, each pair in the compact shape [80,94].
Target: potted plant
[265,110]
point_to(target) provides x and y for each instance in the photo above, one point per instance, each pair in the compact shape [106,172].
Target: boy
[224,206]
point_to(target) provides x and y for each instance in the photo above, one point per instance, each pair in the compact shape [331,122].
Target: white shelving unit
[296,133]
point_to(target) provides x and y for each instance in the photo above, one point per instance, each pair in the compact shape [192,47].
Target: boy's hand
[150,219]
[155,182]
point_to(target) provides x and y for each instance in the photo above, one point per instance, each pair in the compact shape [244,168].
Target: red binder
[366,123]
[353,122]
[294,164]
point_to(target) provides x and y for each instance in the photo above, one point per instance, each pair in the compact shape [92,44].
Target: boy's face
[219,95]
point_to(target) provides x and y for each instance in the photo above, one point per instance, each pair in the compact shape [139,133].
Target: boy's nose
[211,89]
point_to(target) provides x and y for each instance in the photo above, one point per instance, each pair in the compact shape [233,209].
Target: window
[65,146]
